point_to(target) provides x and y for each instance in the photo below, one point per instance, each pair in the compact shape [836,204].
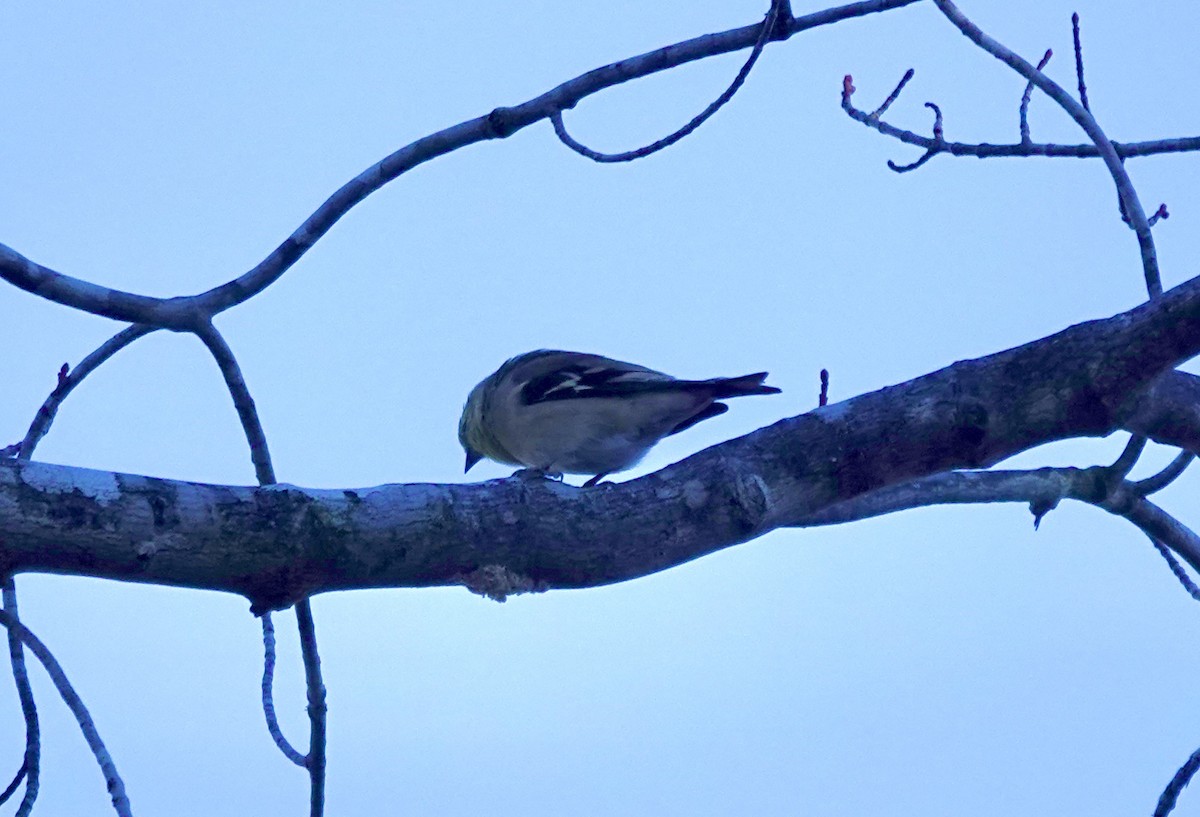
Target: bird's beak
[472,458]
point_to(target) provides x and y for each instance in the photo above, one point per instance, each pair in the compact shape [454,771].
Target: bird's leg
[595,479]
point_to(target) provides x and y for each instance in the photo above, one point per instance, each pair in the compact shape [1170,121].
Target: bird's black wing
[582,380]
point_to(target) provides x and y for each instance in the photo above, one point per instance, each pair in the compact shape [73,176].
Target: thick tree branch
[1168,412]
[281,543]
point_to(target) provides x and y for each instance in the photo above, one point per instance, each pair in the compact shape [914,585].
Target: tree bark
[277,544]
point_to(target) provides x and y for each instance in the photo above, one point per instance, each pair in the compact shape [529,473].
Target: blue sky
[934,661]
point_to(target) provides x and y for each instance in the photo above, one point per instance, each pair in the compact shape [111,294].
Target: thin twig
[69,380]
[1128,193]
[1170,795]
[1025,97]
[315,762]
[1083,97]
[1177,569]
[116,787]
[1156,523]
[13,785]
[31,762]
[893,96]
[268,702]
[560,129]
[938,133]
[990,150]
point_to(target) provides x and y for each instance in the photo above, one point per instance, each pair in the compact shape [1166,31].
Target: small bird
[568,412]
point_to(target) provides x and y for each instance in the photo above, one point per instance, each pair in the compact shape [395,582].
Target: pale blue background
[946,661]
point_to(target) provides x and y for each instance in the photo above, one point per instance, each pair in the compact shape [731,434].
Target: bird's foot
[532,474]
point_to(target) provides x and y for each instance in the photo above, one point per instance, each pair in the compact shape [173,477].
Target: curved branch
[247,413]
[268,703]
[1166,476]
[560,130]
[31,762]
[185,314]
[45,415]
[1120,469]
[1170,796]
[14,784]
[1131,204]
[116,787]
[938,140]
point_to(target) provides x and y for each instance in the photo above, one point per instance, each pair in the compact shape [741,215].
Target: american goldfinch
[567,412]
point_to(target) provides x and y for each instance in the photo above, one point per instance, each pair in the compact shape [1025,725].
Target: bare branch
[1043,487]
[1120,469]
[116,787]
[936,143]
[14,784]
[315,761]
[67,383]
[1166,476]
[187,313]
[280,543]
[31,761]
[1176,568]
[1023,109]
[1157,524]
[1170,795]
[1131,204]
[268,702]
[560,130]
[1083,97]
[988,150]
[247,413]
[892,97]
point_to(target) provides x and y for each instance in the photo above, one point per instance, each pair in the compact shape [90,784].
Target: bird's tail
[740,386]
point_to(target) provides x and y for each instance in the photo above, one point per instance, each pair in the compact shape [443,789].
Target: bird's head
[471,430]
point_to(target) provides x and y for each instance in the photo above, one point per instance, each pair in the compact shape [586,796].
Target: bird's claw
[533,474]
